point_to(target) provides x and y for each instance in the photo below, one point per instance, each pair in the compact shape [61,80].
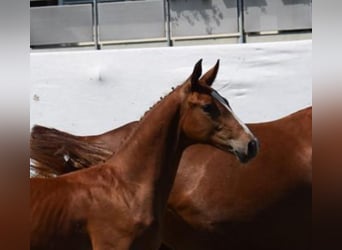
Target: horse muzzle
[252,150]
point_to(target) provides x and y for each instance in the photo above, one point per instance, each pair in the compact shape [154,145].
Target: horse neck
[150,155]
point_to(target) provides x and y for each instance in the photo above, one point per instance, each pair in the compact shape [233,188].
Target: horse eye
[208,108]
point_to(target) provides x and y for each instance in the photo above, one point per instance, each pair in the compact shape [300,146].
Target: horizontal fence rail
[105,22]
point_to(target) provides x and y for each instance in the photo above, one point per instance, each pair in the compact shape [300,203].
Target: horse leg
[101,236]
[104,236]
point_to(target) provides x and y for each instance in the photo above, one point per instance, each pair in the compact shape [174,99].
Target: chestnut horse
[120,204]
[215,203]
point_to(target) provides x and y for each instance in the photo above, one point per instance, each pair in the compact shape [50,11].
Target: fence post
[96,25]
[168,22]
[240,6]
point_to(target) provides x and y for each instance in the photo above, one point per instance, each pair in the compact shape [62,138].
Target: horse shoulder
[58,209]
[202,175]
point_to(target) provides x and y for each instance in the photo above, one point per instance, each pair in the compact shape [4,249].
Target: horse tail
[55,152]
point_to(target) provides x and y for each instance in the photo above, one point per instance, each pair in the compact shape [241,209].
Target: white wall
[89,92]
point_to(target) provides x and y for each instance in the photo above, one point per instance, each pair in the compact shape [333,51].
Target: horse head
[206,116]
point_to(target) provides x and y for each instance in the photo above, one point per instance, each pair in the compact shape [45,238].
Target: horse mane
[63,153]
[157,102]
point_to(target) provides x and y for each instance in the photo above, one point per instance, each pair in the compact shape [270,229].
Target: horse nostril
[253,147]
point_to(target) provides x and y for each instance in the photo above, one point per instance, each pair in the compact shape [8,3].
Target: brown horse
[216,203]
[120,204]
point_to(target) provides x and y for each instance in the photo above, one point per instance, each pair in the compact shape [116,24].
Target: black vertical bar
[241,21]
[96,25]
[168,22]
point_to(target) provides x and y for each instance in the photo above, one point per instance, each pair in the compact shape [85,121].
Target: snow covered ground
[89,92]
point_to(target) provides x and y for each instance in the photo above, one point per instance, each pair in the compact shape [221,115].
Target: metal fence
[95,22]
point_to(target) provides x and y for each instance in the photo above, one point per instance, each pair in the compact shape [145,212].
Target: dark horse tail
[54,152]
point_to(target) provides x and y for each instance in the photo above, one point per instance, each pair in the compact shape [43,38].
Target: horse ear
[196,73]
[209,77]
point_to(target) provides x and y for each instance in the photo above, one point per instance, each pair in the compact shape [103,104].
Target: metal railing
[106,22]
